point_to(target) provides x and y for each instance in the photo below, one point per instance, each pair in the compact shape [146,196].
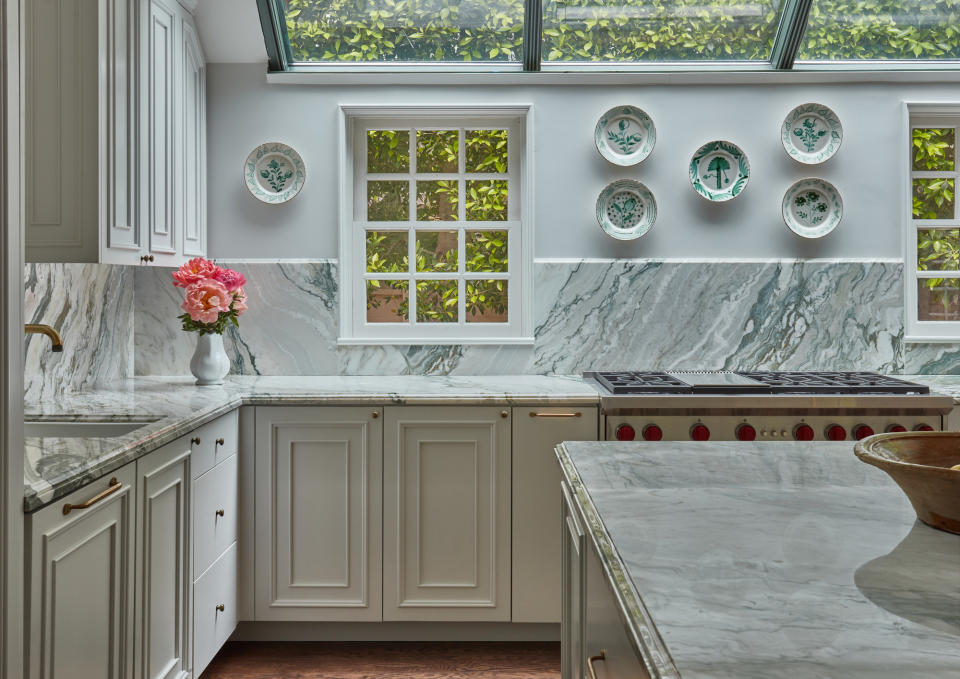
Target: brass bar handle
[112,488]
[219,512]
[592,659]
[195,441]
[220,608]
[219,441]
[576,414]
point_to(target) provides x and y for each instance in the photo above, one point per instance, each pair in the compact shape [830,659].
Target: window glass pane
[933,149]
[387,251]
[437,200]
[938,299]
[933,199]
[388,201]
[664,30]
[486,301]
[437,301]
[437,150]
[881,29]
[387,301]
[486,200]
[404,30]
[938,250]
[388,151]
[436,251]
[486,150]
[486,251]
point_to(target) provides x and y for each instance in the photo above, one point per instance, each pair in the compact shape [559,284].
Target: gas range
[758,405]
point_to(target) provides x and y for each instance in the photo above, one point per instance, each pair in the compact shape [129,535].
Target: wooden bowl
[920,464]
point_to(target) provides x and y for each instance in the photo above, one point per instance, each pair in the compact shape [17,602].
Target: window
[436,238]
[933,236]
[562,35]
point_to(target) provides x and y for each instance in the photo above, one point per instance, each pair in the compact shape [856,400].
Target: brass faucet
[45,330]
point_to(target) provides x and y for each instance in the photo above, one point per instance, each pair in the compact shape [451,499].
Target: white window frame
[925,115]
[354,121]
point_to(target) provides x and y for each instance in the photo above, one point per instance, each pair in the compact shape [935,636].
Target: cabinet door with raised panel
[318,513]
[160,86]
[446,513]
[80,608]
[537,531]
[162,631]
[191,176]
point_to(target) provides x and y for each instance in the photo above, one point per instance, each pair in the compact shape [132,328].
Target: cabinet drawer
[214,513]
[212,626]
[207,451]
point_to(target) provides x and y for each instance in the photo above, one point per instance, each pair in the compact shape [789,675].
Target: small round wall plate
[719,171]
[274,173]
[625,135]
[626,209]
[812,208]
[811,133]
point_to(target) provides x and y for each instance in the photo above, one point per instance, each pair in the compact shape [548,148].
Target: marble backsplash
[91,305]
[777,314]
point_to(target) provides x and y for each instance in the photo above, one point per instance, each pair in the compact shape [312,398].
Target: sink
[71,429]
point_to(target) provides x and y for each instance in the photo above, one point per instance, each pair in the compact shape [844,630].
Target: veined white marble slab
[772,560]
[55,467]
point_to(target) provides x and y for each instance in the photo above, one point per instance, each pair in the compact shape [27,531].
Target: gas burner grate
[834,383]
[626,382]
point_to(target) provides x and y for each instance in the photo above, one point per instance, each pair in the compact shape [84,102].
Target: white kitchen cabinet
[572,599]
[163,582]
[537,534]
[446,514]
[80,610]
[115,132]
[318,513]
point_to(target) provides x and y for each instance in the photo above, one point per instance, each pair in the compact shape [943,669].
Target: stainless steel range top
[748,405]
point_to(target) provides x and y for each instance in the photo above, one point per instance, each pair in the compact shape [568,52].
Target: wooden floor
[363,660]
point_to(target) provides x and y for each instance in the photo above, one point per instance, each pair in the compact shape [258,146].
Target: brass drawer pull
[592,659]
[219,512]
[112,488]
[220,608]
[219,442]
[195,441]
[576,414]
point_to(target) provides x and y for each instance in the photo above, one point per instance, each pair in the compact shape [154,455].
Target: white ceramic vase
[209,363]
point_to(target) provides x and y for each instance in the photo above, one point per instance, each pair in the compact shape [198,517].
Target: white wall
[245,111]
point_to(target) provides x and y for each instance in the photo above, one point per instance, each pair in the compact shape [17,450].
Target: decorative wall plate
[812,208]
[626,209]
[625,135]
[719,171]
[274,173]
[811,133]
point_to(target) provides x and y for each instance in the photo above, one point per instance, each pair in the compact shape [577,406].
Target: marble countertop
[773,560]
[943,384]
[173,406]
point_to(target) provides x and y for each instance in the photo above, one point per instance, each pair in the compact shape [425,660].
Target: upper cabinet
[115,132]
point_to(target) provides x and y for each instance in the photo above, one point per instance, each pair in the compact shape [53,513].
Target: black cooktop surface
[752,382]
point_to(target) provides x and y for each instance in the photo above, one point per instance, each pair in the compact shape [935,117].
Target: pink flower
[194,271]
[230,278]
[206,299]
[239,301]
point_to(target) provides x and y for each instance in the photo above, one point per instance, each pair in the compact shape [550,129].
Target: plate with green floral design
[274,173]
[812,208]
[626,209]
[719,171]
[625,135]
[811,133]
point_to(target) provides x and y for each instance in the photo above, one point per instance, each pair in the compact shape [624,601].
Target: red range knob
[652,433]
[923,427]
[836,433]
[862,431]
[746,432]
[699,432]
[626,433]
[803,432]
[896,428]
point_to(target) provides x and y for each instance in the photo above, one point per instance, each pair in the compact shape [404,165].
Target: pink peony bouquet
[214,296]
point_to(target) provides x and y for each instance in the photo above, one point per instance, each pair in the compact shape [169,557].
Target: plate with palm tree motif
[626,209]
[719,171]
[625,135]
[274,173]
[812,208]
[811,133]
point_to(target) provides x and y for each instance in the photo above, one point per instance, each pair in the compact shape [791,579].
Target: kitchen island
[768,560]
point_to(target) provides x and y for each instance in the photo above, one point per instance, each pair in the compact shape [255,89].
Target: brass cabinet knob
[195,441]
[504,413]
[146,258]
[220,608]
[219,512]
[219,442]
[375,414]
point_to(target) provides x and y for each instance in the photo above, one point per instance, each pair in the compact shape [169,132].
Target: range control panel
[761,428]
